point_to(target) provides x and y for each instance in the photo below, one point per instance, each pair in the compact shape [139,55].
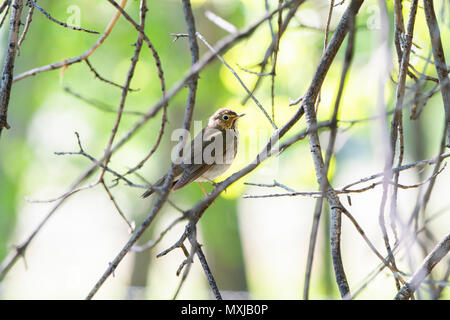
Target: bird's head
[224,118]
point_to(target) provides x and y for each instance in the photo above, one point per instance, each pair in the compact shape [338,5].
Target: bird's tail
[158,183]
[147,193]
[150,191]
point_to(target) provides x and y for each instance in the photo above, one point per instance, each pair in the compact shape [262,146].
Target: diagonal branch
[27,25]
[239,79]
[271,48]
[67,62]
[98,76]
[439,58]
[428,264]
[63,24]
[125,88]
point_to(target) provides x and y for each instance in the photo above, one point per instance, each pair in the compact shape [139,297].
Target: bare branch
[220,22]
[67,62]
[63,24]
[8,65]
[98,76]
[239,79]
[131,225]
[397,130]
[155,55]
[311,122]
[64,195]
[344,190]
[152,243]
[100,105]
[27,25]
[331,143]
[134,60]
[269,51]
[275,58]
[261,74]
[439,58]
[5,5]
[428,264]
[398,245]
[201,256]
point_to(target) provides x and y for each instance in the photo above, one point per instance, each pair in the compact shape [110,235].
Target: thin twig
[5,5]
[393,268]
[98,76]
[269,22]
[263,74]
[330,148]
[8,65]
[397,131]
[27,25]
[344,190]
[201,256]
[420,163]
[130,74]
[63,24]
[152,243]
[327,29]
[97,163]
[131,225]
[275,59]
[441,70]
[308,105]
[179,35]
[64,195]
[403,241]
[161,80]
[186,264]
[274,184]
[220,22]
[238,78]
[67,62]
[439,58]
[269,51]
[100,105]
[425,269]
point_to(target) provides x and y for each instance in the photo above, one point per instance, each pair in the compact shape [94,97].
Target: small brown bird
[209,154]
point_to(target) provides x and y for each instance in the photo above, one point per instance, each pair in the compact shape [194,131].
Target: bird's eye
[225,117]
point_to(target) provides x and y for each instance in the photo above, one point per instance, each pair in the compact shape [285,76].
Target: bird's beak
[241,115]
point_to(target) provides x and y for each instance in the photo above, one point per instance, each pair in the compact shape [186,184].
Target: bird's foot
[204,191]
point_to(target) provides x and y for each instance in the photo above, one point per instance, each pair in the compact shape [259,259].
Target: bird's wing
[198,145]
[190,174]
[194,165]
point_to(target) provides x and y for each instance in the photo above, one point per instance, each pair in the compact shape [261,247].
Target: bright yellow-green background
[256,248]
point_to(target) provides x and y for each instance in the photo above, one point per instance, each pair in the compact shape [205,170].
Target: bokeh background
[256,248]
